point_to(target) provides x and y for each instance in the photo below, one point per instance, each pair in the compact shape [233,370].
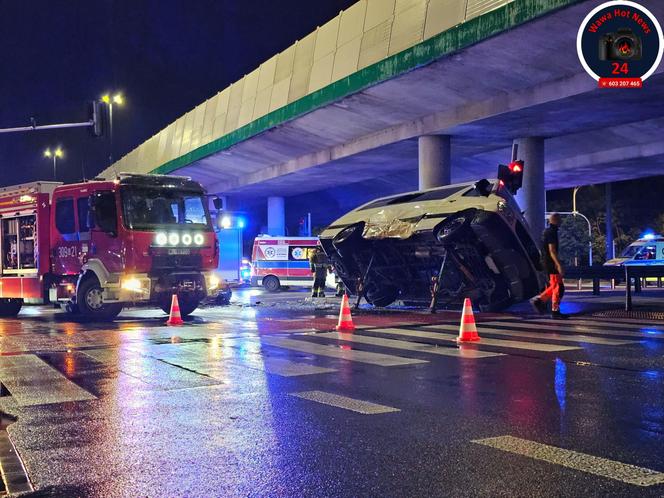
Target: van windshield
[153,208]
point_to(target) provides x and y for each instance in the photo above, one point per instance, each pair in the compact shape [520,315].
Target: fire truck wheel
[10,307]
[271,283]
[90,303]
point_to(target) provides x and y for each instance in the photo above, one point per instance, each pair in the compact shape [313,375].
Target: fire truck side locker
[24,244]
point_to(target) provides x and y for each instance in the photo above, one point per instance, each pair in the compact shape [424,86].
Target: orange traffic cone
[175,318]
[467,329]
[345,318]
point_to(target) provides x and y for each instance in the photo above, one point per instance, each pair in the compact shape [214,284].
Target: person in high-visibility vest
[318,263]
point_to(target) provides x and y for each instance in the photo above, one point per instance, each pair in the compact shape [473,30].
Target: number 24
[620,68]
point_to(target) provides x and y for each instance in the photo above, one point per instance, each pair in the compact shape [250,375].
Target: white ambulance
[282,261]
[648,250]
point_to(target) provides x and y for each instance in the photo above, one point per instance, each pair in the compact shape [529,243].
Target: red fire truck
[97,246]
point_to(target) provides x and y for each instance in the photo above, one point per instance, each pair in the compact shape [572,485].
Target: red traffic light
[511,176]
[516,166]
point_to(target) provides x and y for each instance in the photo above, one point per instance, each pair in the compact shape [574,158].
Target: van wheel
[10,307]
[90,302]
[271,283]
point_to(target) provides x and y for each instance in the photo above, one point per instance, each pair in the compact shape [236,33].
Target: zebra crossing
[207,363]
[523,332]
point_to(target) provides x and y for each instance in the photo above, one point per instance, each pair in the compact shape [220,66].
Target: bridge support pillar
[435,164]
[276,216]
[609,221]
[532,196]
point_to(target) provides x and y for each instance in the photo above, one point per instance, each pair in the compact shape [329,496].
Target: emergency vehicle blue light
[241,223]
[648,236]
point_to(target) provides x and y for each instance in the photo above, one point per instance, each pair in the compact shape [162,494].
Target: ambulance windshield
[631,251]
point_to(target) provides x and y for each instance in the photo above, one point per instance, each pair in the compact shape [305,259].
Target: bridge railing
[367,32]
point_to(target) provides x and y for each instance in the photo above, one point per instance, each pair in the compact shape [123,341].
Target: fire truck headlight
[173,239]
[199,239]
[161,239]
[213,282]
[186,239]
[132,284]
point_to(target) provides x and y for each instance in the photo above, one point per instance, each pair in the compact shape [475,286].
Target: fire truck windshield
[154,208]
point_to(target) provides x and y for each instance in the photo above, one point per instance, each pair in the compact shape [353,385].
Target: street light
[55,154]
[109,100]
[590,231]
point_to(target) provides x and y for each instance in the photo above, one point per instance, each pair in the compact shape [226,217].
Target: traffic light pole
[34,127]
[95,122]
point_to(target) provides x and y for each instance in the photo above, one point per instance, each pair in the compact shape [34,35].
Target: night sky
[165,56]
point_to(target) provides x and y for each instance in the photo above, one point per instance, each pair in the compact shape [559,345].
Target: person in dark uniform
[318,264]
[554,268]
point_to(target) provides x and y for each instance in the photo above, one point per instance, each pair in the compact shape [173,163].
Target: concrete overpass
[390,88]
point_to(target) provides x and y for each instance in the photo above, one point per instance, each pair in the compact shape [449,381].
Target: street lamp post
[56,154]
[590,232]
[109,101]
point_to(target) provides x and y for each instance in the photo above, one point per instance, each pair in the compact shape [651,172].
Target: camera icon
[623,45]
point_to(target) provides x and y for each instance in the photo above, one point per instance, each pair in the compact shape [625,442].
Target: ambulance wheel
[90,302]
[187,306]
[271,283]
[10,307]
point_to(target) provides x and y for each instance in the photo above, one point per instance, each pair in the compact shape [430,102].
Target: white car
[471,238]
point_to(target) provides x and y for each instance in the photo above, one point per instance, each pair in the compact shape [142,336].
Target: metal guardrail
[626,272]
[637,272]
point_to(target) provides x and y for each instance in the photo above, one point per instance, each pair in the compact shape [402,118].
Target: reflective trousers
[554,291]
[318,289]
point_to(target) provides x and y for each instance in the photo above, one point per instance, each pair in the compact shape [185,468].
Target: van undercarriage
[478,258]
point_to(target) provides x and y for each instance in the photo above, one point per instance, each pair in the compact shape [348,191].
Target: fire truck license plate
[179,252]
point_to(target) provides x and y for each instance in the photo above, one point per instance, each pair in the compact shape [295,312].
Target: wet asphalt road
[223,406]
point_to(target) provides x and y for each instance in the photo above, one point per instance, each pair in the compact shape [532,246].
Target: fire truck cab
[97,246]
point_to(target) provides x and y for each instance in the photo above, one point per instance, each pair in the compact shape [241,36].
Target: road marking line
[485,341]
[338,401]
[595,324]
[197,358]
[643,322]
[32,382]
[410,346]
[624,472]
[284,367]
[574,329]
[380,359]
[149,370]
[487,328]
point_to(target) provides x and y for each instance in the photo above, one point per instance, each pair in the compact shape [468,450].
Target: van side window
[83,207]
[64,216]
